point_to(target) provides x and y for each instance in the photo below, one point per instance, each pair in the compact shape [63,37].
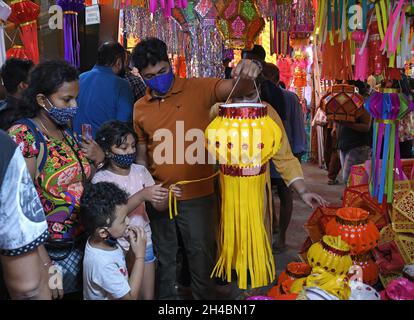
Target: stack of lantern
[361,234]
[331,261]
[283,289]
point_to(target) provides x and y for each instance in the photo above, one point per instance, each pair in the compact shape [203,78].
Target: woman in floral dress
[49,105]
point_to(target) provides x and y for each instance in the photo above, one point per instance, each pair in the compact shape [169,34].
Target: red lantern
[17,52]
[24,14]
[368,266]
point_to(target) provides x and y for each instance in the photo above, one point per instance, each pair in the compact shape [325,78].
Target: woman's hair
[113,133]
[148,52]
[46,78]
[98,204]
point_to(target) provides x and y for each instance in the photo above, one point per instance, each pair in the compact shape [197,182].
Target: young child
[103,212]
[118,141]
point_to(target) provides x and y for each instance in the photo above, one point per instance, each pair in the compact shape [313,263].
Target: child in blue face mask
[118,141]
[103,212]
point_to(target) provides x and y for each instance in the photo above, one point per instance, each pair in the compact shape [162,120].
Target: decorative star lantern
[240,23]
[24,14]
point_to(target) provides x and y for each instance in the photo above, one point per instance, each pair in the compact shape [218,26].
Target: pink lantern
[361,56]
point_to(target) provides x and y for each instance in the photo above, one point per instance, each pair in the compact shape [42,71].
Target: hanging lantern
[361,56]
[387,108]
[18,52]
[353,226]
[342,103]
[167,6]
[71,8]
[24,15]
[243,138]
[240,23]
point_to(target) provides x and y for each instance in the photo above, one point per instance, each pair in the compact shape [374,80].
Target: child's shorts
[149,254]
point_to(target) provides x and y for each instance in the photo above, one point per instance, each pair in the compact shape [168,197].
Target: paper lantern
[342,103]
[361,56]
[331,254]
[240,23]
[359,197]
[354,227]
[316,224]
[243,138]
[368,266]
[399,289]
[295,270]
[71,8]
[387,108]
[24,15]
[17,52]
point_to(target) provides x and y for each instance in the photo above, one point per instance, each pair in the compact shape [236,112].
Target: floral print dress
[60,184]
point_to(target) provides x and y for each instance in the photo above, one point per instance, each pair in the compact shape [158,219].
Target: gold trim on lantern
[16,1]
[17,46]
[386,121]
[389,90]
[27,23]
[70,12]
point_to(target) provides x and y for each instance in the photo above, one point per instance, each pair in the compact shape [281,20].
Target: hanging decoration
[71,8]
[24,14]
[387,108]
[243,139]
[342,102]
[240,23]
[5,12]
[285,65]
[167,6]
[361,56]
[18,52]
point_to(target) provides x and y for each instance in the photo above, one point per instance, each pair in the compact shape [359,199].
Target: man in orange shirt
[170,121]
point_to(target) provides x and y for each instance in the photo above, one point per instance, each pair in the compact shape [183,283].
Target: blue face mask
[123,160]
[61,116]
[162,83]
[111,241]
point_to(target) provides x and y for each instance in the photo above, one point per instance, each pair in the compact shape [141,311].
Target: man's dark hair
[13,72]
[257,53]
[109,52]
[148,52]
[98,204]
[271,72]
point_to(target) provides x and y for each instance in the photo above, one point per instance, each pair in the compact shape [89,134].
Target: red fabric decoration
[24,14]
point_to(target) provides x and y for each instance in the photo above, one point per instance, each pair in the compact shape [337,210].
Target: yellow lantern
[243,138]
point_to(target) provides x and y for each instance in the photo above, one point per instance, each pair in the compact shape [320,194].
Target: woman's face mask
[61,116]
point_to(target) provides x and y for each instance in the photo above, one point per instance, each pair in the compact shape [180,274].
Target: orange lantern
[368,266]
[240,23]
[294,270]
[24,14]
[353,226]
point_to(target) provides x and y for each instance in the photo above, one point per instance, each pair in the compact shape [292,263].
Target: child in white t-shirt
[103,212]
[118,141]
